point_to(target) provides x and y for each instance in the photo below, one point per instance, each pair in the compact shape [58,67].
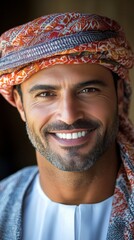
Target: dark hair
[115,78]
[18,88]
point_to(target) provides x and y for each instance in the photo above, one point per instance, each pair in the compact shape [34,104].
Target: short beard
[77,162]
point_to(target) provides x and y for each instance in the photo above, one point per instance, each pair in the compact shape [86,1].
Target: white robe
[48,220]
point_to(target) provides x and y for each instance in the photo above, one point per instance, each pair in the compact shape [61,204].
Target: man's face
[71,114]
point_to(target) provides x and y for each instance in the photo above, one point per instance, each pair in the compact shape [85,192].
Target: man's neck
[74,188]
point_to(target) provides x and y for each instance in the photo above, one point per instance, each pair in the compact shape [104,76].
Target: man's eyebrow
[42,87]
[92,82]
[55,87]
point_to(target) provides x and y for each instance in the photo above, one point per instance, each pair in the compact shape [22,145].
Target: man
[67,74]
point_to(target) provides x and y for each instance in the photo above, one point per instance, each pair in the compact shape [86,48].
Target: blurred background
[16,151]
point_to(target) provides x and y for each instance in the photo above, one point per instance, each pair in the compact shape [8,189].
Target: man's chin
[72,161]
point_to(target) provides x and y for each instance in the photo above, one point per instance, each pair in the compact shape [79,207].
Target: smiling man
[67,74]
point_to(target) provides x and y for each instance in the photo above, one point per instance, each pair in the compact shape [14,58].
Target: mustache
[79,124]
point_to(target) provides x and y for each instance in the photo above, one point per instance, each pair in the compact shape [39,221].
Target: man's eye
[89,90]
[45,94]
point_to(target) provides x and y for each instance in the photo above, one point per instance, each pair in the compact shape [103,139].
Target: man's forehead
[73,75]
[66,70]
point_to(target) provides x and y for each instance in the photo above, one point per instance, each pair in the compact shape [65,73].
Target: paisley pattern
[74,38]
[62,38]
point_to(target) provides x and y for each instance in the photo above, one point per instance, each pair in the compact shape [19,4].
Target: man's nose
[70,109]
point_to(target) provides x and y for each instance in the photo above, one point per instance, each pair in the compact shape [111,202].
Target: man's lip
[69,138]
[70,131]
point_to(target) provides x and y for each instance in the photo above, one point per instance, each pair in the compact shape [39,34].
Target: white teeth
[74,135]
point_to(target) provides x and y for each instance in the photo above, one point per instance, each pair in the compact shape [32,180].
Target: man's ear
[120,94]
[19,104]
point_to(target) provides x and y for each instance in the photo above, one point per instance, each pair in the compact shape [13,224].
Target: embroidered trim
[52,47]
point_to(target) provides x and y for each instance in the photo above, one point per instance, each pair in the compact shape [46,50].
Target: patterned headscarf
[62,39]
[74,38]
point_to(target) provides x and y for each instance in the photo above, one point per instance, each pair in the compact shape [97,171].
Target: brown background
[15,149]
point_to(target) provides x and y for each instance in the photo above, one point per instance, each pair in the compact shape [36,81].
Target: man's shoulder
[18,180]
[12,195]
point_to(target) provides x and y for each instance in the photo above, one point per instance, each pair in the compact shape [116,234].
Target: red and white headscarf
[75,38]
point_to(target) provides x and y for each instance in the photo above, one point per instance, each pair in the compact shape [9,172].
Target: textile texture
[74,38]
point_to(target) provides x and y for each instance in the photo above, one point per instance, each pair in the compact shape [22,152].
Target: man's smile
[74,138]
[74,135]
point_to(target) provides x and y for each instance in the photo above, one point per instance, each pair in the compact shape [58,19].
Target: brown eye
[45,94]
[89,90]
